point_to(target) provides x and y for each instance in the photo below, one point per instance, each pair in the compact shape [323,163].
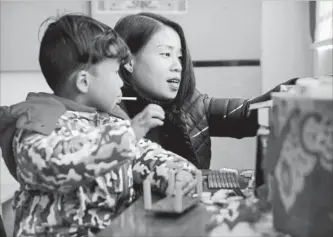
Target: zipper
[125,168]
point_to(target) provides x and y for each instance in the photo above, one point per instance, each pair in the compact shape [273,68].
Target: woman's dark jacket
[187,131]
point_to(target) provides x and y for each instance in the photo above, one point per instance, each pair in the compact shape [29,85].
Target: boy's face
[105,85]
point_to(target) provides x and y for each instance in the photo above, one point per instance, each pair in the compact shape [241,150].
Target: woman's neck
[135,107]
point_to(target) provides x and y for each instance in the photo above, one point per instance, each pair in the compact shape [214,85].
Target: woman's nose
[176,65]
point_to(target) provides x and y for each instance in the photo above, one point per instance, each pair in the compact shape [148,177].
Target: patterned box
[298,166]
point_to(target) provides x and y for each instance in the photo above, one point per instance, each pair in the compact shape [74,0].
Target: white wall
[323,47]
[286,42]
[215,29]
[323,64]
[16,85]
[20,22]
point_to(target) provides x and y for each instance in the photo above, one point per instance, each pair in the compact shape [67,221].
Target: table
[136,221]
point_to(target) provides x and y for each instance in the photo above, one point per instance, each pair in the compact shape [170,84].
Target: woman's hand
[150,117]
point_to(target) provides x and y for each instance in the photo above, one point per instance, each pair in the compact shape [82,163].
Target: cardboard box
[299,165]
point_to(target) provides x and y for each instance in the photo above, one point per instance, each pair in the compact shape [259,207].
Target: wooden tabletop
[136,221]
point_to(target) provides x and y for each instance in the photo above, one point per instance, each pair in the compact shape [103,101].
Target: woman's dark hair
[137,30]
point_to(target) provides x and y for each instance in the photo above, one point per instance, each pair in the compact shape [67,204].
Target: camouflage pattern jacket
[74,181]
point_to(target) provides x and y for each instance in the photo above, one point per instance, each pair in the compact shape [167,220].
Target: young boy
[76,164]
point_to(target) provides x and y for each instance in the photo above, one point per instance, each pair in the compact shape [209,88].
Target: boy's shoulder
[77,122]
[99,117]
[86,119]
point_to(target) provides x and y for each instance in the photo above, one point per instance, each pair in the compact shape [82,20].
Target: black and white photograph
[201,118]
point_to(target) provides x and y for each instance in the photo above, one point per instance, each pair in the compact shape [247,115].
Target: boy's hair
[76,42]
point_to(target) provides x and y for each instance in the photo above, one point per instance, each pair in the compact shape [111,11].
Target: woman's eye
[166,54]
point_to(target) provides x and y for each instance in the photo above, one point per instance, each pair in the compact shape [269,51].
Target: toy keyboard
[222,179]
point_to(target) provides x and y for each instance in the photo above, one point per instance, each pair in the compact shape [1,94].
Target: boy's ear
[129,66]
[82,81]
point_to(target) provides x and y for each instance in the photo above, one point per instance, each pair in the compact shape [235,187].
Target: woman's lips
[174,83]
[174,80]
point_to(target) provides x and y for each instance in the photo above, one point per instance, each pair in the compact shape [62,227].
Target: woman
[161,72]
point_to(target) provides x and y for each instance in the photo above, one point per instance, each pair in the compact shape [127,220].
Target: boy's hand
[187,181]
[151,116]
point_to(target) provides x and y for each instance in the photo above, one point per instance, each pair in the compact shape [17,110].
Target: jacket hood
[39,113]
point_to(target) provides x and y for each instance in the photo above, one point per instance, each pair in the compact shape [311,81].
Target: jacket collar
[39,113]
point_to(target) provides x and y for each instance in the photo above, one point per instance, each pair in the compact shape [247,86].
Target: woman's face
[157,66]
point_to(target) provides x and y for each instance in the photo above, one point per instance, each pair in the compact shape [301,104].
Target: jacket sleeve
[231,117]
[73,154]
[156,162]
